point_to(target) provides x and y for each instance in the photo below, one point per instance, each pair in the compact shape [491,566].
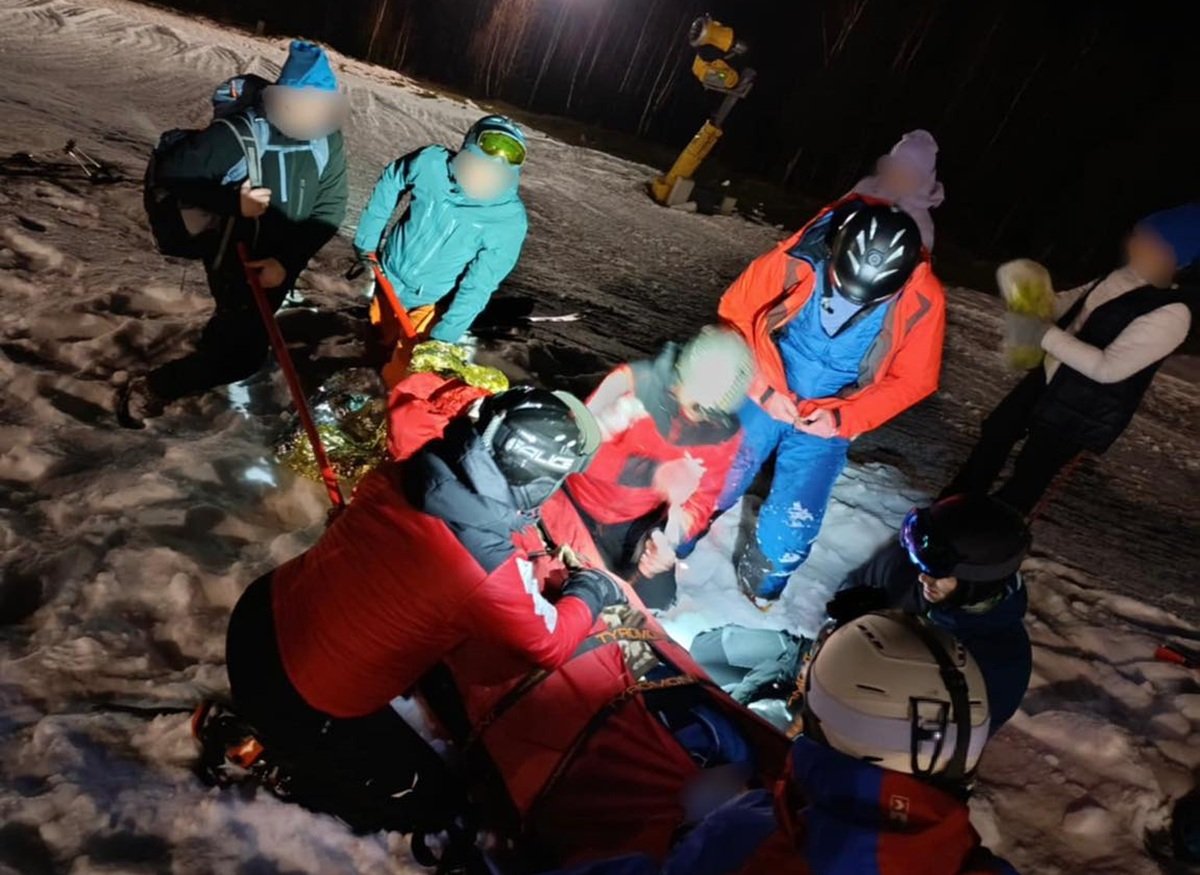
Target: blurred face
[304,113]
[898,178]
[1151,258]
[937,589]
[481,178]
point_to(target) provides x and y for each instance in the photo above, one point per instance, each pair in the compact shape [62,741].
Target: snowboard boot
[137,402]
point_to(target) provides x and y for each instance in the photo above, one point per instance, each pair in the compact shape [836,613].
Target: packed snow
[123,552]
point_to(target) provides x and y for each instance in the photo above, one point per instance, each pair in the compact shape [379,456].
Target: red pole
[328,475]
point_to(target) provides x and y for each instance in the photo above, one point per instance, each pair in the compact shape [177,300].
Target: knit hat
[307,66]
[1179,228]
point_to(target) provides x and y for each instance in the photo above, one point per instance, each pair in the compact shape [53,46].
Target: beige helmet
[894,689]
[714,370]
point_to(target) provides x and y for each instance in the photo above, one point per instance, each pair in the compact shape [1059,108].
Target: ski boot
[136,402]
[229,751]
[756,582]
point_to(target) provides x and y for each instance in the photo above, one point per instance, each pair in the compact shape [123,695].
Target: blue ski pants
[805,470]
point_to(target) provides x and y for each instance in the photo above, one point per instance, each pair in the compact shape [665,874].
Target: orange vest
[900,369]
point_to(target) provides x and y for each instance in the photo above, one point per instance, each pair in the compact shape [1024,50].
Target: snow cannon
[716,46]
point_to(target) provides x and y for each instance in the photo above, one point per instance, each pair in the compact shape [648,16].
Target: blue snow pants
[805,470]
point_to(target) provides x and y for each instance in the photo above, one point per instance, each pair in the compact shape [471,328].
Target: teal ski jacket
[447,243]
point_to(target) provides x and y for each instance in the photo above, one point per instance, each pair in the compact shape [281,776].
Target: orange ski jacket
[901,368]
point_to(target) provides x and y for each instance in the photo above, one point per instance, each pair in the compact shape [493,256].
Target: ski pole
[389,292]
[328,475]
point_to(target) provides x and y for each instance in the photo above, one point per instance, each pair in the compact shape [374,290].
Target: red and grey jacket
[645,430]
[430,554]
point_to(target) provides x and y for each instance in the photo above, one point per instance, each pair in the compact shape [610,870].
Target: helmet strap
[956,686]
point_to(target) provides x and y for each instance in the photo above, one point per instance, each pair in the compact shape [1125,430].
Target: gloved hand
[598,589]
[1023,339]
[852,603]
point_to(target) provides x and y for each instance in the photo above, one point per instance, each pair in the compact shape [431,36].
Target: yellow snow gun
[716,46]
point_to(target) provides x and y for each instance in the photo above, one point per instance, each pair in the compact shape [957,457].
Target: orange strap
[389,292]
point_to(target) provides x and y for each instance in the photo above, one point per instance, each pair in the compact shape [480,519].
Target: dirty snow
[122,553]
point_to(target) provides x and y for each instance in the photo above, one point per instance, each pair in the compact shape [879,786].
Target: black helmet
[974,538]
[874,249]
[537,439]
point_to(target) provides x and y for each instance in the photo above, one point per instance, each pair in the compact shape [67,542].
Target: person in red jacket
[433,551]
[670,434]
[846,320]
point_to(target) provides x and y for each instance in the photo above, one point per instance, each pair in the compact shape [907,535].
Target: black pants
[376,772]
[232,346]
[1043,456]
[621,545]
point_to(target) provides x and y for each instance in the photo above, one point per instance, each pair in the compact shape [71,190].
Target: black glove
[851,603]
[596,588]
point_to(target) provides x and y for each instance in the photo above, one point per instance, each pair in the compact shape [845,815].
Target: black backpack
[181,229]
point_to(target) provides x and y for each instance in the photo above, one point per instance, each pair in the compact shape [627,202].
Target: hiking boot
[137,402]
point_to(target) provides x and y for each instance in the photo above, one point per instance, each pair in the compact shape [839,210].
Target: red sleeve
[509,609]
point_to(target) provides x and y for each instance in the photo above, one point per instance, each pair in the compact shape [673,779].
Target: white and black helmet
[895,690]
[537,439]
[874,249]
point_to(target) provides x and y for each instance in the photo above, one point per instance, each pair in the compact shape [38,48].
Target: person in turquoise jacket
[463,231]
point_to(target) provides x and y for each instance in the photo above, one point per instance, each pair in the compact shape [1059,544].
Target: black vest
[1091,413]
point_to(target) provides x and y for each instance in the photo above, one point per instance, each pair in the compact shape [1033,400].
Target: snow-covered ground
[123,552]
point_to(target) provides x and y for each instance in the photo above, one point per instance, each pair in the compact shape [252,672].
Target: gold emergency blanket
[350,411]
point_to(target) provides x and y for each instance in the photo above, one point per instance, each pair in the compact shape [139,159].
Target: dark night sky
[1060,121]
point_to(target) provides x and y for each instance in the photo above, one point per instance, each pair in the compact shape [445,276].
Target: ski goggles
[924,549]
[502,145]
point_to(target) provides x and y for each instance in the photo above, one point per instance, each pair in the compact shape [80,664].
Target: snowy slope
[133,547]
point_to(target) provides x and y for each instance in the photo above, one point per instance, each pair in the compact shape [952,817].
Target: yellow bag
[1026,288]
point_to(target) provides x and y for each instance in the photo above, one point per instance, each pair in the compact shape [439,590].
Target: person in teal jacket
[465,224]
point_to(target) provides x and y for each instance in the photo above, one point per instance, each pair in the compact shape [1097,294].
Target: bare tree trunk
[848,25]
[1013,104]
[637,47]
[383,5]
[550,50]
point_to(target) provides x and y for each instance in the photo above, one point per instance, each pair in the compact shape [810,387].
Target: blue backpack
[184,230]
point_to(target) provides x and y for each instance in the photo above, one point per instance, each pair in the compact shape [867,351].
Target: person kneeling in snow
[895,721]
[274,175]
[1110,339]
[846,320]
[670,434]
[432,552]
[956,563]
[462,232]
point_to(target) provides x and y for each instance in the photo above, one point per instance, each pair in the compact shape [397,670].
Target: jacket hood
[858,814]
[456,480]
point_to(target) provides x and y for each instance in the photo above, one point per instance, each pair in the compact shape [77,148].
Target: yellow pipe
[688,162]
